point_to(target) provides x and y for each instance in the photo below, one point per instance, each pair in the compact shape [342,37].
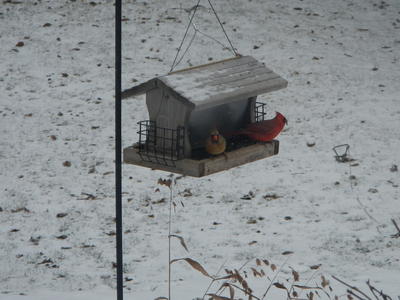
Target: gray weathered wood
[203,85]
[168,113]
[139,89]
[236,69]
[247,91]
[218,65]
[237,82]
[200,86]
[241,76]
[204,167]
[175,94]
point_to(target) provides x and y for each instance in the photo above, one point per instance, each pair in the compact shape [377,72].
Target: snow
[341,59]
[243,77]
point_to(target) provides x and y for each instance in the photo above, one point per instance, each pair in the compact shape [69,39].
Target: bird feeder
[184,106]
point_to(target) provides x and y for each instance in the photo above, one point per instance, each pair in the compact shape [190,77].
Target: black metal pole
[118,151]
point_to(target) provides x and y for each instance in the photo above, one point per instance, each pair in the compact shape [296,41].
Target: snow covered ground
[57,236]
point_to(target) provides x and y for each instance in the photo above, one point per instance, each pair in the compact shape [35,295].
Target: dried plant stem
[169,242]
[398,229]
[372,290]
[273,279]
[309,279]
[354,294]
[351,287]
[395,225]
[364,208]
[213,280]
[208,288]
[241,267]
[244,291]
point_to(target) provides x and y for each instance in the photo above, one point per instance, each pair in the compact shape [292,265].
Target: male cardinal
[264,131]
[215,143]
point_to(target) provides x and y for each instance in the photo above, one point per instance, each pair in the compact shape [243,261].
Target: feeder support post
[118,151]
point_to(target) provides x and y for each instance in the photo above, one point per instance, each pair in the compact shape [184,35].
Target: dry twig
[272,281]
[396,235]
[214,279]
[381,293]
[351,287]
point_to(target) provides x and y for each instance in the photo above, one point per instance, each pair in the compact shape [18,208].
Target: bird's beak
[214,138]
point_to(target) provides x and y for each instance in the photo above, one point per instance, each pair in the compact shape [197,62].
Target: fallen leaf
[216,297]
[182,241]
[315,267]
[195,265]
[324,281]
[279,285]
[296,276]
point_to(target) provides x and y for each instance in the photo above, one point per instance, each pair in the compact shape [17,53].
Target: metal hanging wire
[196,30]
[342,155]
[186,50]
[222,27]
[184,36]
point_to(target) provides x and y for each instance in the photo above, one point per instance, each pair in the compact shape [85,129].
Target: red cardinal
[264,131]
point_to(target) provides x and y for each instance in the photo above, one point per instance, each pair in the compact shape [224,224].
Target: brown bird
[215,143]
[264,131]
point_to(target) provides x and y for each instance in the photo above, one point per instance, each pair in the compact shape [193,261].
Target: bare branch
[214,279]
[354,294]
[372,290]
[272,281]
[244,291]
[396,235]
[241,267]
[381,293]
[351,287]
[309,279]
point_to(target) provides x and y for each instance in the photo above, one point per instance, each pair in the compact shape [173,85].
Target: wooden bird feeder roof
[216,83]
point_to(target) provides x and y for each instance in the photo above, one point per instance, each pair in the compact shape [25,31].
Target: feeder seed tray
[207,166]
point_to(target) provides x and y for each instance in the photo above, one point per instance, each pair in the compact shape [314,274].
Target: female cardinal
[215,143]
[264,131]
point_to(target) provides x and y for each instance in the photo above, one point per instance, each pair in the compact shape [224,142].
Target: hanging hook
[344,149]
[191,23]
